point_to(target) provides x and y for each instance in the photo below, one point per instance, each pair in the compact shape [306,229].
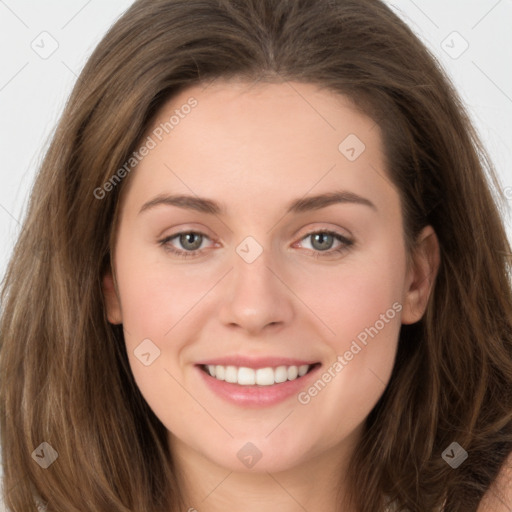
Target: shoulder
[499,496]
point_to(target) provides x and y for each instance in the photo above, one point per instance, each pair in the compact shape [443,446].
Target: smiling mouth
[268,376]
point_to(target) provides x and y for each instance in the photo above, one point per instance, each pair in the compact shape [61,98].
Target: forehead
[258,109]
[260,141]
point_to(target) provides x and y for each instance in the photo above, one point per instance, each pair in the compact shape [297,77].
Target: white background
[33,90]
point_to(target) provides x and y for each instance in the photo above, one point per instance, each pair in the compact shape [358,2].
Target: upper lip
[256,362]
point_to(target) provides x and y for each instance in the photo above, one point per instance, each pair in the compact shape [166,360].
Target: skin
[254,149]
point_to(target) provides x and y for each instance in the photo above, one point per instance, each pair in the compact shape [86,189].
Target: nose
[257,297]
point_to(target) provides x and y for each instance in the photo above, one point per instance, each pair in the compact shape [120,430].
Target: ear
[113,305]
[421,275]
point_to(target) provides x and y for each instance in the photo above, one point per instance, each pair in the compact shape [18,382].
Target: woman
[339,338]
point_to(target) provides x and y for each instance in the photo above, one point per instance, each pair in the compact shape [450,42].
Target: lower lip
[257,396]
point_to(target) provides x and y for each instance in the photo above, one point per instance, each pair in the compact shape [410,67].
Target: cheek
[154,294]
[360,307]
[155,299]
[352,297]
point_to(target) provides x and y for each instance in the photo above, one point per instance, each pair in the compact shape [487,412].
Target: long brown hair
[65,377]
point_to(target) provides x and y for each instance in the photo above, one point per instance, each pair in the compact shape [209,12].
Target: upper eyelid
[333,231]
[316,229]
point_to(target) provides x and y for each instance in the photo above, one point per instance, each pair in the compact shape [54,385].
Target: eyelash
[346,244]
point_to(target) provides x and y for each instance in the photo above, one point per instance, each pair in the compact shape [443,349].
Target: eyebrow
[301,205]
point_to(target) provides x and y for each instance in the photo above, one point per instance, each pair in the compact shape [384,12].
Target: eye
[323,241]
[190,241]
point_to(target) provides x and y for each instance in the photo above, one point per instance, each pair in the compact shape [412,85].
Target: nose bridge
[251,271]
[256,297]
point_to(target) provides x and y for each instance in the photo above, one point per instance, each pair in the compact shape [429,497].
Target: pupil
[185,239]
[322,237]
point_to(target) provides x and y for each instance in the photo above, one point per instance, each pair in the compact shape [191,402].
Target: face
[261,239]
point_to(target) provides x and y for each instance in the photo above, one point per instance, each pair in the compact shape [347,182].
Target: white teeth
[219,372]
[265,376]
[303,370]
[262,376]
[281,374]
[293,371]
[246,376]
[231,374]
